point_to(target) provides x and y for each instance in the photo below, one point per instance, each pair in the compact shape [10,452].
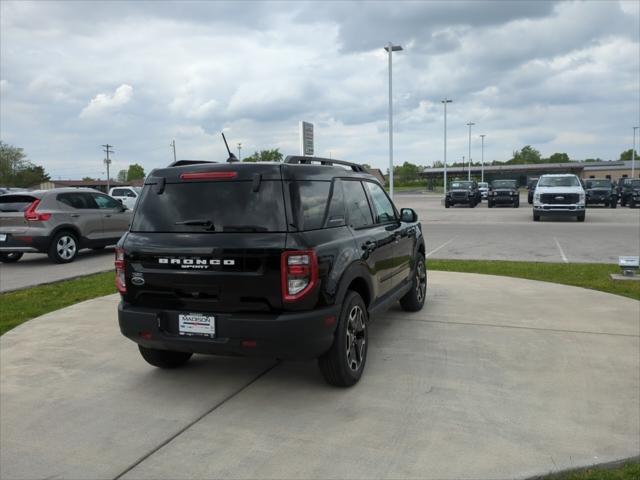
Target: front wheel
[489,204]
[516,204]
[581,217]
[344,363]
[164,358]
[613,203]
[10,257]
[536,218]
[413,300]
[447,204]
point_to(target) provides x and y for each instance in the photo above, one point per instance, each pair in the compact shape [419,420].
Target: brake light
[208,175]
[31,215]
[299,273]
[121,283]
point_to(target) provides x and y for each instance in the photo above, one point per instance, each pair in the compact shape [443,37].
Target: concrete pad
[495,378]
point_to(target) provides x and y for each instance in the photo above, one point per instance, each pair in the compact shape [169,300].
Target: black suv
[463,191]
[629,192]
[504,192]
[601,192]
[287,260]
[531,189]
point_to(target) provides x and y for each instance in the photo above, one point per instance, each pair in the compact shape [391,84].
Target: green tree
[135,172]
[627,155]
[558,158]
[87,179]
[122,176]
[16,170]
[406,173]
[528,154]
[272,155]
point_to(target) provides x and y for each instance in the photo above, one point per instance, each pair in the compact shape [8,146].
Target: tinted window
[15,203]
[336,216]
[381,203]
[461,184]
[356,204]
[504,184]
[312,198]
[105,202]
[77,200]
[569,181]
[228,206]
[119,192]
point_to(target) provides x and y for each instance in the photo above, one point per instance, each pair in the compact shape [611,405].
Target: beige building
[615,171]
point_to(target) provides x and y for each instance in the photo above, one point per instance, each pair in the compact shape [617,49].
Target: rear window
[211,207]
[15,203]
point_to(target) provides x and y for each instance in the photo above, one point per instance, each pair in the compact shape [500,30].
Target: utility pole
[482,176]
[463,164]
[107,162]
[444,102]
[633,154]
[239,151]
[470,124]
[173,146]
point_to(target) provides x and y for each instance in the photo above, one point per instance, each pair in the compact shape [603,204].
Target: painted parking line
[440,247]
[564,257]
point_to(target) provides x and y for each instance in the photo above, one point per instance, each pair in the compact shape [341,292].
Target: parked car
[285,260]
[601,192]
[629,192]
[504,192]
[465,192]
[59,222]
[484,190]
[531,188]
[127,195]
[559,195]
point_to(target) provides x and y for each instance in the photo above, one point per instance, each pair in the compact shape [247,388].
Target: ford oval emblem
[138,280]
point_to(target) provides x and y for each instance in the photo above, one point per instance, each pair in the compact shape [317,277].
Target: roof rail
[299,160]
[181,163]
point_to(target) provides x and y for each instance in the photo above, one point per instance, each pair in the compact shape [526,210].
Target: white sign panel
[306,138]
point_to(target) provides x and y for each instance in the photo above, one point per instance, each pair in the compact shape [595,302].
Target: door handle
[107,216]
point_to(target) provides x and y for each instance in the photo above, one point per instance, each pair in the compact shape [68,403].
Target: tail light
[299,271]
[31,215]
[121,283]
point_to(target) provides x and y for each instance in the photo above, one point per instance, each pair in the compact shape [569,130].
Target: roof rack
[299,160]
[181,163]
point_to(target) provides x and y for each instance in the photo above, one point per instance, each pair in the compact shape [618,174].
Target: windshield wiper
[244,228]
[197,223]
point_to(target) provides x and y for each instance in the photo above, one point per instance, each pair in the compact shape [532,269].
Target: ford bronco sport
[287,260]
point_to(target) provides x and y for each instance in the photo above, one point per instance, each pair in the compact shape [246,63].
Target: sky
[560,76]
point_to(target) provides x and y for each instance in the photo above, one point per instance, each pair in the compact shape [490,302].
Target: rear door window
[15,203]
[78,200]
[212,207]
[383,207]
[356,204]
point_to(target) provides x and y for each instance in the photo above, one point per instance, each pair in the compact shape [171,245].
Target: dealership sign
[306,138]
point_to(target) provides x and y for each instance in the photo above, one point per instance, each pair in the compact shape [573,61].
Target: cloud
[104,102]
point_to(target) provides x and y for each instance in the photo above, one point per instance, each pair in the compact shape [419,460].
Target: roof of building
[541,167]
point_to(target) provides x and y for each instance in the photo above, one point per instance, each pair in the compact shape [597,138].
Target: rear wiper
[197,223]
[243,228]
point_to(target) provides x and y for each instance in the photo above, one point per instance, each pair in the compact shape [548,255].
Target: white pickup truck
[127,195]
[559,195]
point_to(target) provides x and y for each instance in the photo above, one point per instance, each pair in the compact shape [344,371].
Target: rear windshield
[211,207]
[15,203]
[559,182]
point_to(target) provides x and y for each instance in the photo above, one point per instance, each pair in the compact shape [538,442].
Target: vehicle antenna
[232,158]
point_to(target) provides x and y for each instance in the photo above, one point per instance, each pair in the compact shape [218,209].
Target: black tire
[164,358]
[344,363]
[622,202]
[489,204]
[63,248]
[10,257]
[516,204]
[613,204]
[536,218]
[413,300]
[581,217]
[446,203]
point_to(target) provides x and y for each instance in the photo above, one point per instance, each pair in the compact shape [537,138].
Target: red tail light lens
[208,175]
[31,215]
[299,272]
[121,282]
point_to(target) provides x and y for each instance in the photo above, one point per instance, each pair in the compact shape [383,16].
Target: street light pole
[390,48]
[239,151]
[470,124]
[482,174]
[633,154]
[444,102]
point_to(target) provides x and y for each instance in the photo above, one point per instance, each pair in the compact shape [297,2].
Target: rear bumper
[24,243]
[303,335]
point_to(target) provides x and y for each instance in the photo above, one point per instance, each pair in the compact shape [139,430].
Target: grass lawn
[587,275]
[628,471]
[21,305]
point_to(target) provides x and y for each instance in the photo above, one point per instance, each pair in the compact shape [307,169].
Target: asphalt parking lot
[457,233]
[466,388]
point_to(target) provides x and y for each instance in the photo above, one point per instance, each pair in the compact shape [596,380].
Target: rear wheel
[164,358]
[11,257]
[63,248]
[414,298]
[344,363]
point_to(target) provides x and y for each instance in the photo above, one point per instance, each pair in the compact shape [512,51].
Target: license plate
[195,324]
[3,237]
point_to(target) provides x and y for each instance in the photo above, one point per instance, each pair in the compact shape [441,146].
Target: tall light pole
[444,102]
[390,48]
[482,174]
[239,151]
[470,124]
[633,154]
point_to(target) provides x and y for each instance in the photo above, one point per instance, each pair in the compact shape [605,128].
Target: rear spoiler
[182,163]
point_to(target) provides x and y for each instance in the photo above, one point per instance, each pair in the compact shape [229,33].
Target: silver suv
[59,222]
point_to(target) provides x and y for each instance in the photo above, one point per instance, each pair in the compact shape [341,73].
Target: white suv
[559,195]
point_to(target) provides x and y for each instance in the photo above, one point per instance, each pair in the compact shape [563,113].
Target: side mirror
[408,215]
[123,207]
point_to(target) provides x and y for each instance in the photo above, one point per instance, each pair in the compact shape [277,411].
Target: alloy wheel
[421,281]
[355,344]
[66,247]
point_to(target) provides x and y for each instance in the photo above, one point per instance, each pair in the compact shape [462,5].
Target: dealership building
[612,170]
